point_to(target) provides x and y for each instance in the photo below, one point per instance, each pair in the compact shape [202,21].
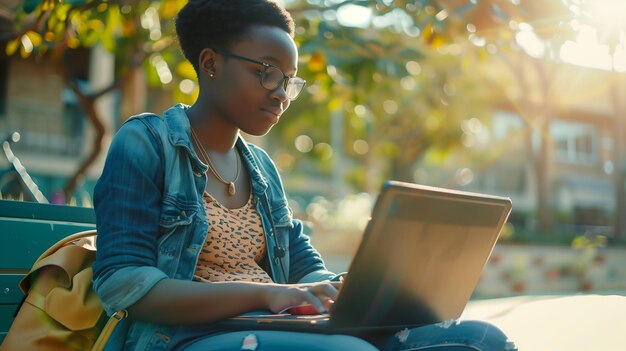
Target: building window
[508,175]
[49,115]
[73,123]
[506,125]
[574,142]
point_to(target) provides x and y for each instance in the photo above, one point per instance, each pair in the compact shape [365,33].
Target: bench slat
[24,240]
[9,289]
[6,318]
[46,212]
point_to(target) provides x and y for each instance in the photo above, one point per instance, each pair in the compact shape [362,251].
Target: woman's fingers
[315,301]
[328,289]
[316,294]
[319,294]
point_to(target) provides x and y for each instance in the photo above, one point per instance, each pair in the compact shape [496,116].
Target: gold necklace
[229,184]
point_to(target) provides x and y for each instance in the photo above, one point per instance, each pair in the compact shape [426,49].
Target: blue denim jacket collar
[179,133]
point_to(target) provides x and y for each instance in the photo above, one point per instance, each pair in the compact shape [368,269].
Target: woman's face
[241,99]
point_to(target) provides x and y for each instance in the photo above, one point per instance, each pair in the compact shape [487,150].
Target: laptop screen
[421,256]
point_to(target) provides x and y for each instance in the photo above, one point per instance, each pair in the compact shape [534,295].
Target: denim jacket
[152,224]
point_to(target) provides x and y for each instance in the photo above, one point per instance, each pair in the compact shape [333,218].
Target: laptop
[420,258]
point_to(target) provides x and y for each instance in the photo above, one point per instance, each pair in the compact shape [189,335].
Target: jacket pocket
[281,215]
[176,211]
[175,215]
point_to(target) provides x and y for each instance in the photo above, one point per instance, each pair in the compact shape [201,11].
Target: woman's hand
[281,297]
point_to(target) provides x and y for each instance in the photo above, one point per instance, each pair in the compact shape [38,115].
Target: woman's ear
[206,62]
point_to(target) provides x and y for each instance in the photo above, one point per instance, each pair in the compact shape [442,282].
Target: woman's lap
[266,340]
[466,335]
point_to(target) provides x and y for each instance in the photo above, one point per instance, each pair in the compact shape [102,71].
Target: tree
[394,80]
[138,33]
[554,23]
[609,19]
[497,24]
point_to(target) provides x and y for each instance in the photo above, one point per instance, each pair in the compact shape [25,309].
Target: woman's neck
[212,130]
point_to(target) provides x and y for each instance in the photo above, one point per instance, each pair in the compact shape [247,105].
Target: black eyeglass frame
[285,80]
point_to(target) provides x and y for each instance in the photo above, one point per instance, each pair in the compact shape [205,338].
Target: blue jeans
[466,335]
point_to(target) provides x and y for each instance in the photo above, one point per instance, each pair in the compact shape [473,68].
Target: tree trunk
[620,113]
[536,115]
[88,105]
[542,113]
[544,211]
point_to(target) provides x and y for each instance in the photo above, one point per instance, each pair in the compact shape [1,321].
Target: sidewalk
[557,323]
[569,321]
[547,312]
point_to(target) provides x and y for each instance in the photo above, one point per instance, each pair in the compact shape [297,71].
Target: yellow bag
[61,311]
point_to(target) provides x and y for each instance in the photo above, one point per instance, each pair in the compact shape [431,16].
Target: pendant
[231,189]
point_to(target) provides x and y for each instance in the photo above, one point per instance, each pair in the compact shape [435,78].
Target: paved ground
[565,322]
[557,323]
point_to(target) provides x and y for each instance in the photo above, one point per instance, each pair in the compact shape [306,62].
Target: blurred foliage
[587,246]
[403,81]
[395,84]
[589,242]
[136,32]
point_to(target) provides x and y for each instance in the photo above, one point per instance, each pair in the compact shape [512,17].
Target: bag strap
[108,330]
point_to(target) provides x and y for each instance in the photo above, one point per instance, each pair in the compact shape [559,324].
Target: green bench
[27,229]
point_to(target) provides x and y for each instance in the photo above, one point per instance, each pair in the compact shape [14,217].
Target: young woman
[193,223]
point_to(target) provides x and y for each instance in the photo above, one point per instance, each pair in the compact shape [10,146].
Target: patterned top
[234,246]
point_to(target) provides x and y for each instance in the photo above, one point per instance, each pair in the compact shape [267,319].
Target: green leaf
[114,19]
[34,37]
[108,42]
[89,39]
[12,46]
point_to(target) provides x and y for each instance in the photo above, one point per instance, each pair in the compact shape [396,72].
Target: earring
[212,75]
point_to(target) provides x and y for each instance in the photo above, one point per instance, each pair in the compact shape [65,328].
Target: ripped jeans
[457,336]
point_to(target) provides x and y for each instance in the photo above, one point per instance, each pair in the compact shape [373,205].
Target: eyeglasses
[272,77]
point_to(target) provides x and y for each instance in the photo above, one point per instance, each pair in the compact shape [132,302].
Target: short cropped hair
[217,24]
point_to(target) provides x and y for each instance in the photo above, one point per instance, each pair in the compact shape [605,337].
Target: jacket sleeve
[127,201]
[306,264]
